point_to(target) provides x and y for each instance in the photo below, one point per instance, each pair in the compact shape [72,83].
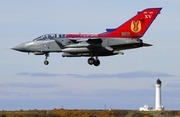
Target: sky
[120,82]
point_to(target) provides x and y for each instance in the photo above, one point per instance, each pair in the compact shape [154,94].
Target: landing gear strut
[95,61]
[46,62]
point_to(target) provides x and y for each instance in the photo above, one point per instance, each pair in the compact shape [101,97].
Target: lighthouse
[158,105]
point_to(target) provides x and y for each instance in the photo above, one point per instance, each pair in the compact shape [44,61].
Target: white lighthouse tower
[158,106]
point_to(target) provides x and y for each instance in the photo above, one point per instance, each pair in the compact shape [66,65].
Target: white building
[146,108]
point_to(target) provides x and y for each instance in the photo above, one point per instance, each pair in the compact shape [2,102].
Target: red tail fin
[136,26]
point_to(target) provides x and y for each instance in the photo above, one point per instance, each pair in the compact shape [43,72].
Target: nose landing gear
[46,62]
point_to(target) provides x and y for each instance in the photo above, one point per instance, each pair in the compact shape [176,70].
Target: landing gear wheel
[96,63]
[91,61]
[46,62]
[46,56]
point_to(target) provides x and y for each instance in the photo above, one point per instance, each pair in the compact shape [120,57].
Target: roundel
[136,26]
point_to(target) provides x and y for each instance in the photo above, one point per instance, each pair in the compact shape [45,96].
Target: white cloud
[135,74]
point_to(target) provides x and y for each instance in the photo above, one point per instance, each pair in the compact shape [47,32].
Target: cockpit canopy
[49,37]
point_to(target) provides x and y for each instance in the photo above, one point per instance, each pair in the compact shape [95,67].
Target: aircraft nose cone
[20,47]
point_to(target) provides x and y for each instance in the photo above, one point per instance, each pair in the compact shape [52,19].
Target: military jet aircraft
[111,42]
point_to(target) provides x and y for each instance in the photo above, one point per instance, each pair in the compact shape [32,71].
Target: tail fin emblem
[136,26]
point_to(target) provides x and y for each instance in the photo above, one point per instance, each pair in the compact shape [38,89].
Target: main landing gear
[91,61]
[46,62]
[95,61]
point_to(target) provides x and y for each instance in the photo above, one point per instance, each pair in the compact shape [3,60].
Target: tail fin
[136,26]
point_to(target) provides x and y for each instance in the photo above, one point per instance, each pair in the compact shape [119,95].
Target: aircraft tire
[96,63]
[91,61]
[46,62]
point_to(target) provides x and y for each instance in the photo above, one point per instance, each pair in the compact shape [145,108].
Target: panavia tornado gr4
[111,42]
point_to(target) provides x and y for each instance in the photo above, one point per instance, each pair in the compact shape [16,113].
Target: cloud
[29,85]
[39,74]
[135,74]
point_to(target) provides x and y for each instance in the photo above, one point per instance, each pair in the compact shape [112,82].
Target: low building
[146,108]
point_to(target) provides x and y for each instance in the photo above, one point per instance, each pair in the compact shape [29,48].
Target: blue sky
[120,82]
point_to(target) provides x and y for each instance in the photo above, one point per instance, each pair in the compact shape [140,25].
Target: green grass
[88,113]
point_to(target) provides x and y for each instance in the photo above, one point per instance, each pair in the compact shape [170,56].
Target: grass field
[88,113]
